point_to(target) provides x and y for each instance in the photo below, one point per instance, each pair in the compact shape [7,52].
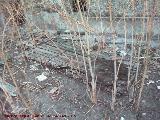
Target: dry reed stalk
[131,95]
[132,45]
[146,62]
[7,65]
[93,82]
[146,59]
[114,92]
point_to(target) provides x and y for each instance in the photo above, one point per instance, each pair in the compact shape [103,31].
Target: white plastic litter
[41,77]
[10,89]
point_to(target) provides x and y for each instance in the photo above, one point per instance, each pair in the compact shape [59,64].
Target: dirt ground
[72,99]
[69,99]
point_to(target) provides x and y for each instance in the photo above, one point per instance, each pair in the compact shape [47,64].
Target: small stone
[158,87]
[143,114]
[143,101]
[158,81]
[150,81]
[122,118]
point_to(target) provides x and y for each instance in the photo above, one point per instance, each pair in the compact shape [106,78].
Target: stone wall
[100,7]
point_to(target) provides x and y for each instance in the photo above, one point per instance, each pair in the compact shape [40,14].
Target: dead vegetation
[109,52]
